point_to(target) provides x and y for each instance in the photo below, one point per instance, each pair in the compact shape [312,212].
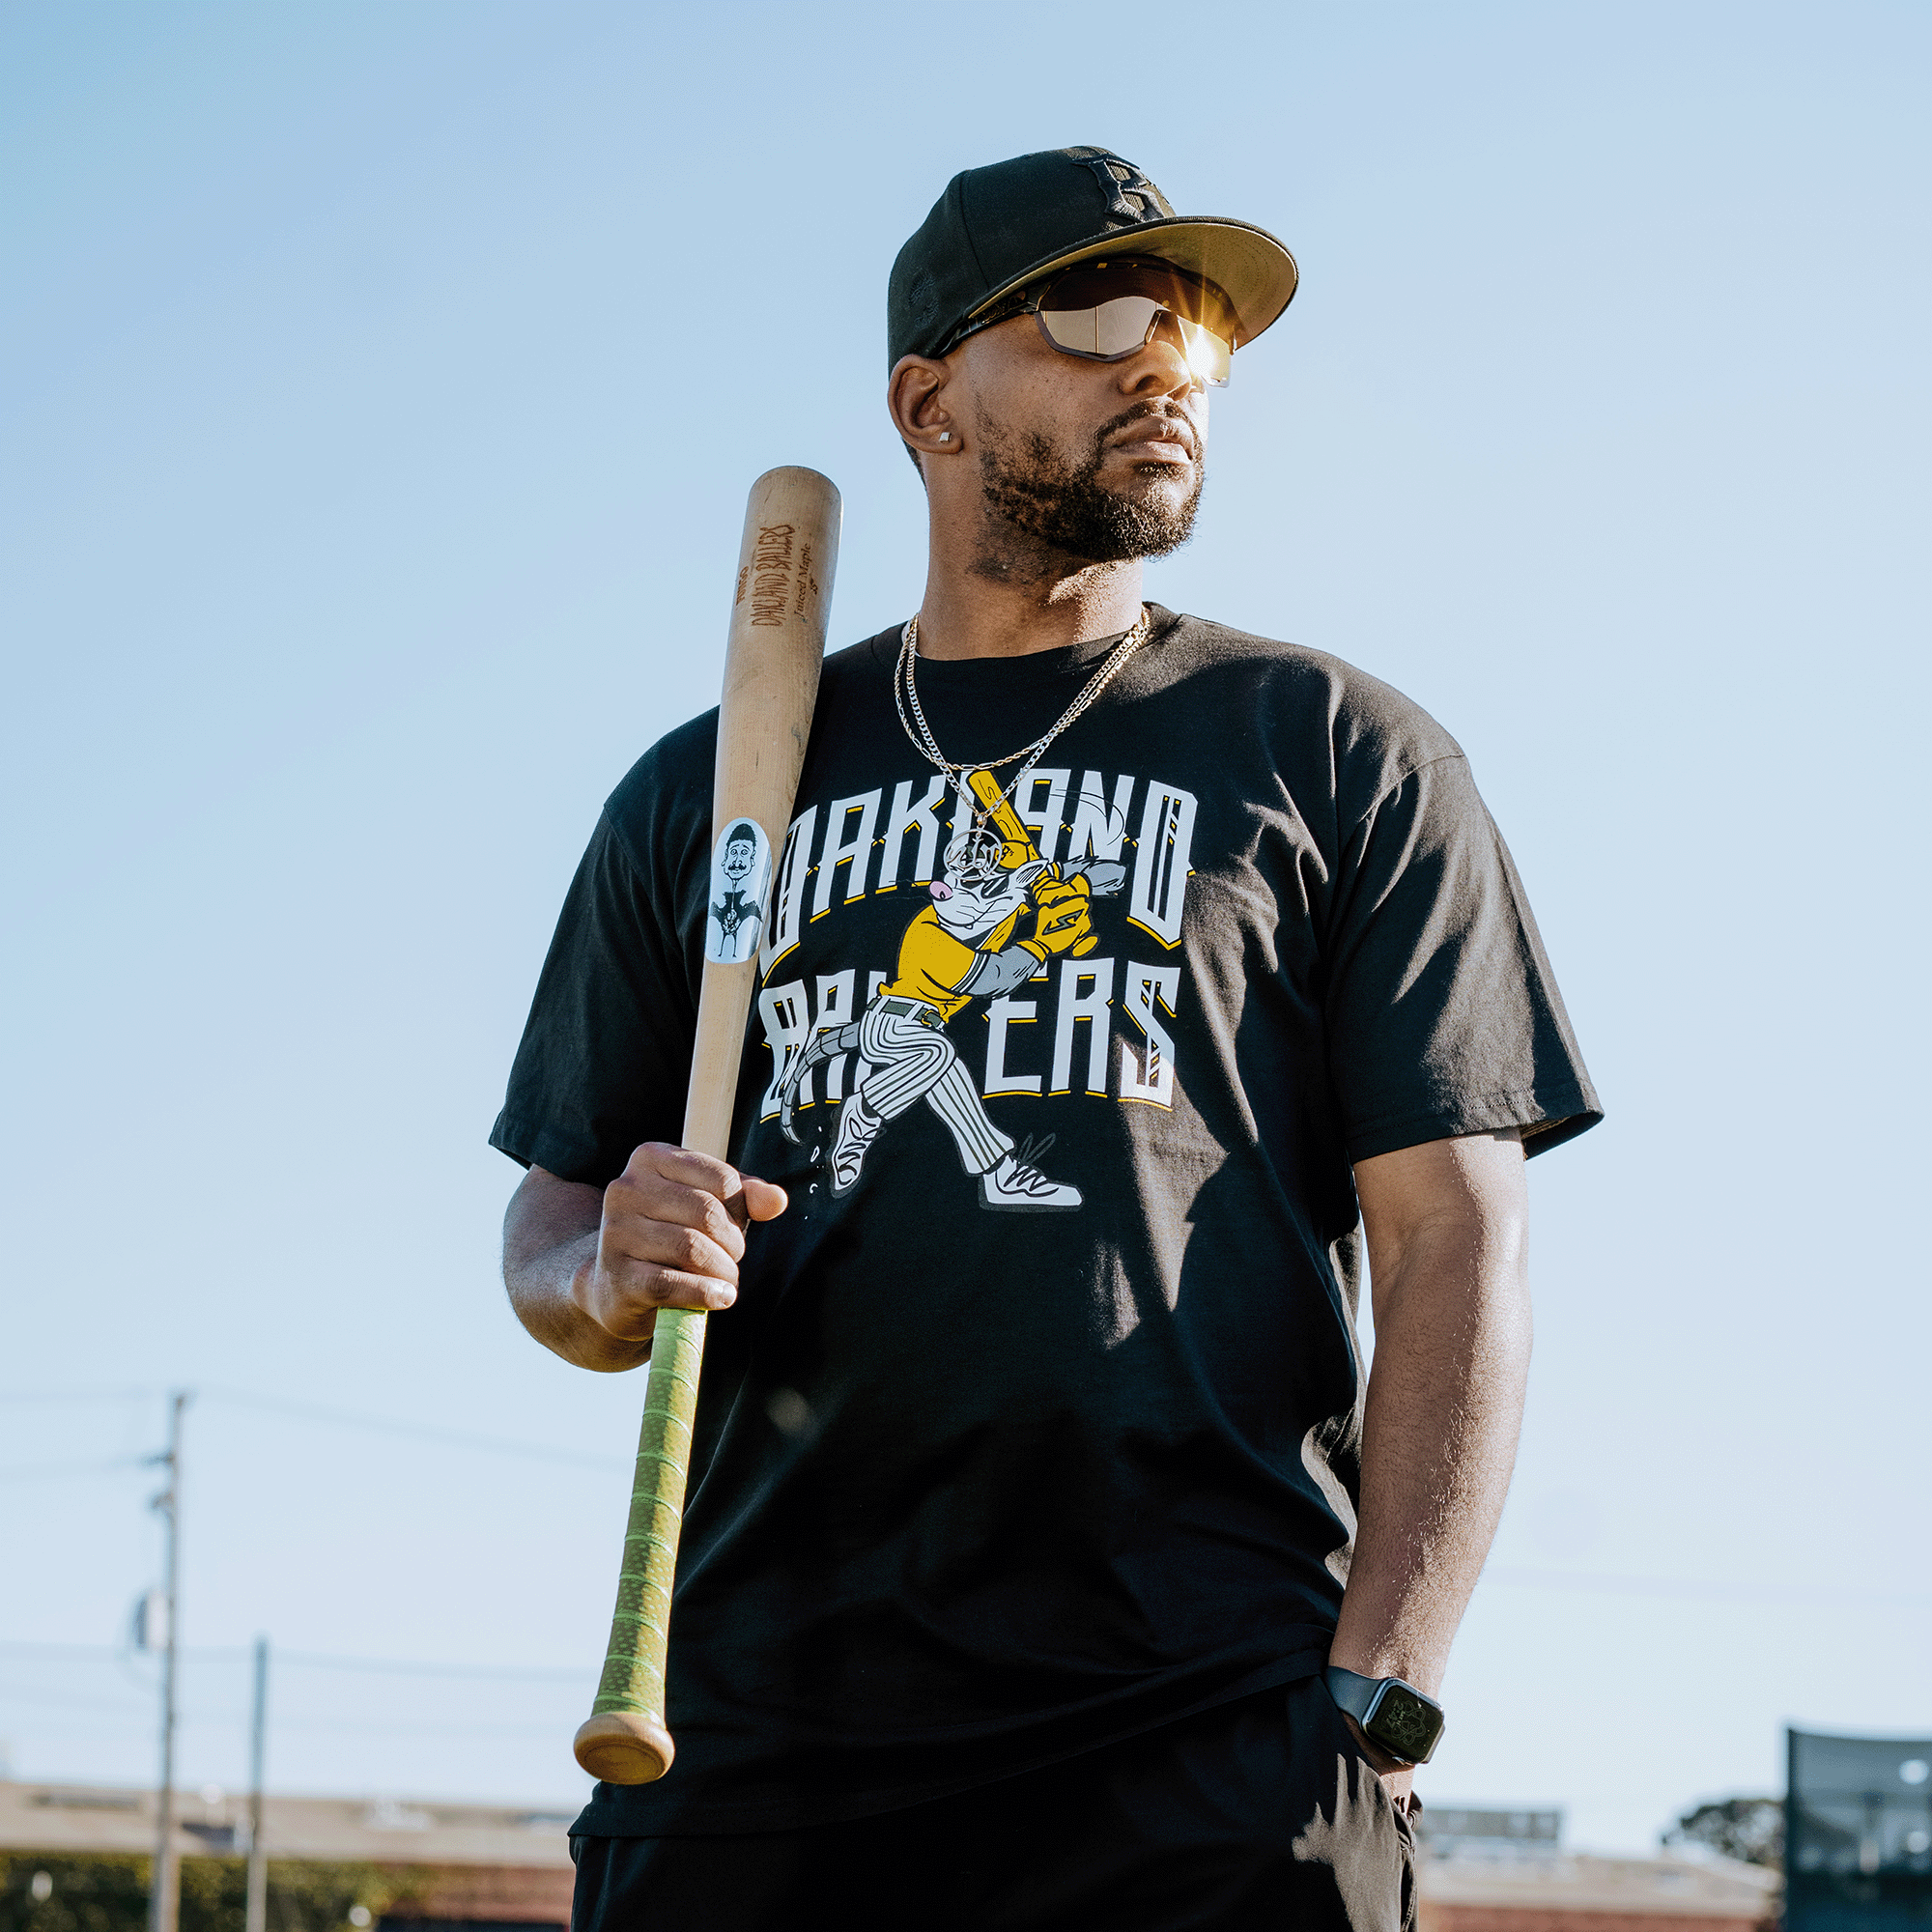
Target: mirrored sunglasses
[1106,311]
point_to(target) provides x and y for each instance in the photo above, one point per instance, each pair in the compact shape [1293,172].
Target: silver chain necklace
[906,691]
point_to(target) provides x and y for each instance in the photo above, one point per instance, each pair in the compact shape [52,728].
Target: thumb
[764,1200]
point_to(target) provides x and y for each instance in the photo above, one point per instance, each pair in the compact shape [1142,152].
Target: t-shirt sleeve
[606,1054]
[1443,1015]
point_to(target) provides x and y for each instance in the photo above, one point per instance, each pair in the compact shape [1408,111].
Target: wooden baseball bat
[771,681]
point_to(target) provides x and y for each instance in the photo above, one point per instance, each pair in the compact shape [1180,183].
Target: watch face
[1406,1722]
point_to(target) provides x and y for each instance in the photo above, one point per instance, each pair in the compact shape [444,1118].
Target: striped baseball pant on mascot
[912,1060]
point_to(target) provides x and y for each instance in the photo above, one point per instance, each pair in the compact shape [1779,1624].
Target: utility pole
[256,1918]
[164,1893]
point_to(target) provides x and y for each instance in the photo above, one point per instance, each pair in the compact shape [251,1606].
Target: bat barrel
[779,614]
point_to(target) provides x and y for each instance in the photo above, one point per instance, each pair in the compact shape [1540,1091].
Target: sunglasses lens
[1114,327]
[1207,355]
[1111,313]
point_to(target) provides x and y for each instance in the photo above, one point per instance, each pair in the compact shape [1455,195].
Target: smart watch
[1395,1717]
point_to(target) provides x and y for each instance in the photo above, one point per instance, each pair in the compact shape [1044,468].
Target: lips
[1167,430]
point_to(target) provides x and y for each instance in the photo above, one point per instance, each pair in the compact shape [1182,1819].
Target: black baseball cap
[996,229]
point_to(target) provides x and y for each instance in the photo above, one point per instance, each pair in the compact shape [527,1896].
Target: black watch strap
[1352,1692]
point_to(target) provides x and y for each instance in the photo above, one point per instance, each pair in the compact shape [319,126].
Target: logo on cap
[1124,186]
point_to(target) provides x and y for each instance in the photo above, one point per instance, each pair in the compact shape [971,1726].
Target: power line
[22,1472]
[109,1651]
[78,1395]
[327,1728]
[314,1661]
[310,1659]
[32,1694]
[344,1418]
[1591,1582]
[1711,1589]
[424,1432]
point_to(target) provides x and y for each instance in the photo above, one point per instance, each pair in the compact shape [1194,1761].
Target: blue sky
[380,391]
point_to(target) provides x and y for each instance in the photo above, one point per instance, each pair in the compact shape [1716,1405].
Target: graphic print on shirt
[1001,913]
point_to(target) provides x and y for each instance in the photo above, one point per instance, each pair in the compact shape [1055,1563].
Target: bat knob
[624,1746]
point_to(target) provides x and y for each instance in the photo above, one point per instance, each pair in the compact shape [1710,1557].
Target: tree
[108,1892]
[1750,1829]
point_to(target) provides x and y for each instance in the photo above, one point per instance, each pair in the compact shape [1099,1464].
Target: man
[1052,1568]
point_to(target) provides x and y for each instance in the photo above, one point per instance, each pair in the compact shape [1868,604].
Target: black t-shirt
[1036,1421]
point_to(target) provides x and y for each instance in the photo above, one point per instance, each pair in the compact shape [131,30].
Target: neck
[992,590]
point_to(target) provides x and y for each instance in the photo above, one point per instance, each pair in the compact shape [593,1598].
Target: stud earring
[946,436]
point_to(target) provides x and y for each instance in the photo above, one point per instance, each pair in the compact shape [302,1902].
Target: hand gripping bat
[771,681]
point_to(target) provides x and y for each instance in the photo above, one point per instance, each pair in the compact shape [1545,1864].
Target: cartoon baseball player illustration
[733,910]
[960,949]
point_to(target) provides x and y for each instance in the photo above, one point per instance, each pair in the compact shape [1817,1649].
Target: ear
[917,399]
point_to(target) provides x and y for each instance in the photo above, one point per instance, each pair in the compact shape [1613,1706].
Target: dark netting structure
[1857,1834]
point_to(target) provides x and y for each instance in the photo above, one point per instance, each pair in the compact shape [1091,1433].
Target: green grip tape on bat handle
[625,1741]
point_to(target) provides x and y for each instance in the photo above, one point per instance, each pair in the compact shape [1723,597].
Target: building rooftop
[57,1817]
[1581,1883]
[1475,1864]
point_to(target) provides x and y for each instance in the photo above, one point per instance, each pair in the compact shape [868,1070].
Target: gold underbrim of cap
[1254,270]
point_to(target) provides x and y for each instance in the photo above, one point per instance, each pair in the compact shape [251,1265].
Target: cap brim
[1246,263]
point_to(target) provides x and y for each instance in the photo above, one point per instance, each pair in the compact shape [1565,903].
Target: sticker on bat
[741,876]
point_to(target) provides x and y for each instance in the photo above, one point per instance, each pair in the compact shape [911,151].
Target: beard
[1059,501]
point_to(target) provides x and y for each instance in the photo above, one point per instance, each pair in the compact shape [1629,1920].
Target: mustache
[1148,412]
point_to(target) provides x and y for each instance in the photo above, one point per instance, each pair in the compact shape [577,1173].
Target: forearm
[1444,1407]
[550,1243]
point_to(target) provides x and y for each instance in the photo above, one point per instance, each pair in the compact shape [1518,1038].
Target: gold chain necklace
[907,691]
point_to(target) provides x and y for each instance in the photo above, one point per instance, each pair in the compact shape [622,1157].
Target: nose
[1161,368]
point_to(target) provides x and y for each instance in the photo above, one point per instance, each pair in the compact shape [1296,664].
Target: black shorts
[1257,1813]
